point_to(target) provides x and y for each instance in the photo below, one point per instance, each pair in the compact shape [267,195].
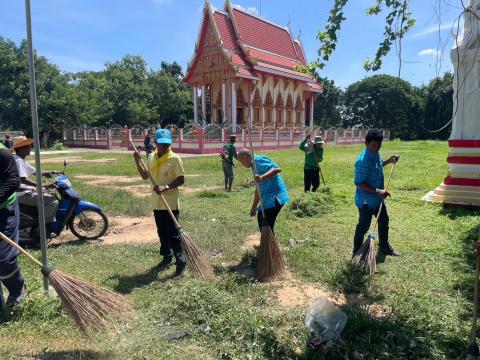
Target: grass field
[417,306]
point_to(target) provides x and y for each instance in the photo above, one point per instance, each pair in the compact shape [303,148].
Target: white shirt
[24,169]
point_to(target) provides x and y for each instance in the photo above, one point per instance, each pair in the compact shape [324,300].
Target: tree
[327,106]
[383,101]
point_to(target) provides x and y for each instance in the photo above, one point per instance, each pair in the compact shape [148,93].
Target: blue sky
[84,34]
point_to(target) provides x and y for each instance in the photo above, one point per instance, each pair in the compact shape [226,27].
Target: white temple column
[311,111]
[234,104]
[224,114]
[195,106]
[204,107]
[250,111]
[274,108]
[284,117]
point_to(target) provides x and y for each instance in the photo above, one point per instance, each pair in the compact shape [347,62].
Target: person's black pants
[10,274]
[170,244]
[270,216]
[364,221]
[311,179]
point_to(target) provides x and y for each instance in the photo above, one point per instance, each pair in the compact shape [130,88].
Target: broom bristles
[364,258]
[270,263]
[89,305]
[197,261]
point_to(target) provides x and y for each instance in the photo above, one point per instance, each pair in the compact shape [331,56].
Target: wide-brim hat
[233,136]
[163,136]
[318,140]
[21,141]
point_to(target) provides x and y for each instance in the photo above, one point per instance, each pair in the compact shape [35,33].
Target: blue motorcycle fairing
[72,193]
[63,181]
[85,205]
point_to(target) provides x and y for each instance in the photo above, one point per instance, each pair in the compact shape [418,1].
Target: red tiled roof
[225,28]
[301,54]
[284,70]
[252,41]
[262,34]
[264,56]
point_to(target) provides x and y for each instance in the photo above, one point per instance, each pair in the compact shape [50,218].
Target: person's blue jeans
[10,274]
[364,221]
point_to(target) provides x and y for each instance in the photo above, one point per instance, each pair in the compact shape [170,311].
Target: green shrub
[57,145]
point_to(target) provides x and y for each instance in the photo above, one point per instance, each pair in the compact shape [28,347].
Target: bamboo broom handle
[254,167]
[386,189]
[174,219]
[19,248]
[475,296]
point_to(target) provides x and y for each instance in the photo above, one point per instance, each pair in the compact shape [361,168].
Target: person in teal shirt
[313,158]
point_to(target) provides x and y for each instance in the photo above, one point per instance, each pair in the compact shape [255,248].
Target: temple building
[245,67]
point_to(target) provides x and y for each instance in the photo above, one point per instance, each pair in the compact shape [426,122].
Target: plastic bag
[325,320]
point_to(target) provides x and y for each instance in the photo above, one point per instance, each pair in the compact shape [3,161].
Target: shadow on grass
[454,212]
[126,284]
[73,355]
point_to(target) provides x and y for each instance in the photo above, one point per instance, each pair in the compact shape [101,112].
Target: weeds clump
[208,194]
[313,203]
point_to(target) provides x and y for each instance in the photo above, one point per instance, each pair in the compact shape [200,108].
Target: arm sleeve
[302,145]
[234,152]
[320,155]
[360,172]
[263,165]
[8,175]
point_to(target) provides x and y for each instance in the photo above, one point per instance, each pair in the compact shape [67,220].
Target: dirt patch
[106,179]
[251,242]
[77,159]
[292,296]
[122,230]
[188,190]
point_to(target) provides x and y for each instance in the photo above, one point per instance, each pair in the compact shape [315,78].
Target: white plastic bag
[325,320]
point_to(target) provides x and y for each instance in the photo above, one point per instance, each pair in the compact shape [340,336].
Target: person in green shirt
[313,156]
[229,152]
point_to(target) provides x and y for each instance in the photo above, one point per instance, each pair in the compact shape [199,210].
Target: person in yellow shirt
[166,169]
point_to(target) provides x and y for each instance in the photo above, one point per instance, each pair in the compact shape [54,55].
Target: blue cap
[163,136]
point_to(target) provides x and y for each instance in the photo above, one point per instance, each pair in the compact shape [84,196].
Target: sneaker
[179,272]
[388,251]
[12,302]
[165,263]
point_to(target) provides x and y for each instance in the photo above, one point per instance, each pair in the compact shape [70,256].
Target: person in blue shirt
[370,192]
[272,188]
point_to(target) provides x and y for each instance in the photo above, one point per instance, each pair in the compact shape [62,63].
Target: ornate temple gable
[241,99]
[299,103]
[279,102]
[289,104]
[211,62]
[257,101]
[268,100]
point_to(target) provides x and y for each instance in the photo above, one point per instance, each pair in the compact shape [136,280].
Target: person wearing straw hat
[27,194]
[313,158]
[228,153]
[166,169]
[370,192]
[10,275]
[273,189]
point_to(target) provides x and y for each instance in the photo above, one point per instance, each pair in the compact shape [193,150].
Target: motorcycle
[86,220]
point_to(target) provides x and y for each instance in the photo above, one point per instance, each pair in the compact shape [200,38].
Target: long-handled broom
[365,256]
[89,305]
[270,263]
[197,261]
[473,351]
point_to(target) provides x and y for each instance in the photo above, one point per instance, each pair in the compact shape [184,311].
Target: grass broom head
[89,305]
[364,259]
[270,263]
[196,260]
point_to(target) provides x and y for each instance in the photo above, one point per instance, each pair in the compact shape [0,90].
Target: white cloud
[429,52]
[251,9]
[449,26]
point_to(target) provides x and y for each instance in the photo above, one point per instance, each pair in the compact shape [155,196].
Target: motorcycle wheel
[89,224]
